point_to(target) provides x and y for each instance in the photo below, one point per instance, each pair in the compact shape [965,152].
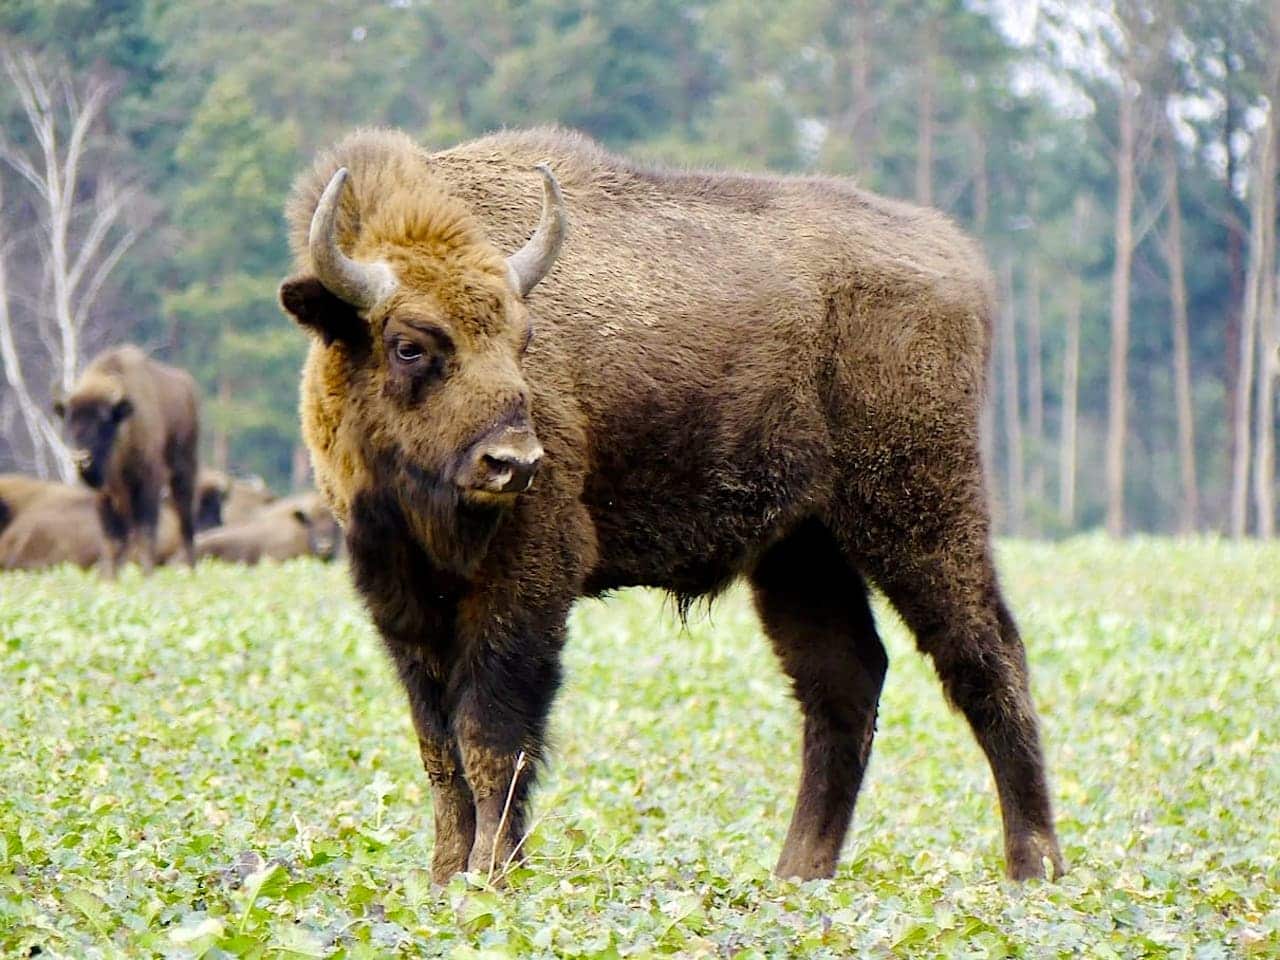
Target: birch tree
[1259,283]
[1071,369]
[1118,384]
[1188,502]
[47,449]
[84,229]
[1267,319]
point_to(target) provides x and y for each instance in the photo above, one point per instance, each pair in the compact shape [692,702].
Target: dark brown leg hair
[115,530]
[951,600]
[814,608]
[502,713]
[146,519]
[182,480]
[451,800]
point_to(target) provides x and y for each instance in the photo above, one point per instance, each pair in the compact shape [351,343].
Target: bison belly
[686,501]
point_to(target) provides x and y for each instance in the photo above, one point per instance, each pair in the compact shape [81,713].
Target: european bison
[297,526]
[18,491]
[61,526]
[723,376]
[222,500]
[133,426]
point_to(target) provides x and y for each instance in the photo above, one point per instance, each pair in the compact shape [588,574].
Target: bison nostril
[508,474]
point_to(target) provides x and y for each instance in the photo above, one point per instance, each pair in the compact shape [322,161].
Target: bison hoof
[445,869]
[805,866]
[1035,856]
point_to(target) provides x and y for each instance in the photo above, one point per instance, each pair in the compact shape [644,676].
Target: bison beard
[455,532]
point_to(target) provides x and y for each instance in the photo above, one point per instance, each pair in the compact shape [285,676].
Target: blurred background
[1117,160]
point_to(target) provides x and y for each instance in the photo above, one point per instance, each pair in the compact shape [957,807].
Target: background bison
[723,376]
[298,526]
[62,526]
[18,491]
[223,500]
[133,426]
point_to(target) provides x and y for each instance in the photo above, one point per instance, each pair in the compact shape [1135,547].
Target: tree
[1008,346]
[87,219]
[1189,502]
[45,444]
[1259,297]
[1125,159]
[237,166]
[1071,370]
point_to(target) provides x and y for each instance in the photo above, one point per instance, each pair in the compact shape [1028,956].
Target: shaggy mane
[392,200]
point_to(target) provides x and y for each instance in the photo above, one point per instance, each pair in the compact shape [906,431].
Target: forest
[1117,159]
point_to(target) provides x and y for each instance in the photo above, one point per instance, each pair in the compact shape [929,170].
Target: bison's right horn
[531,262]
[363,285]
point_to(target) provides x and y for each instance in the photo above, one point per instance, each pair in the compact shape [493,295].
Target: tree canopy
[1067,143]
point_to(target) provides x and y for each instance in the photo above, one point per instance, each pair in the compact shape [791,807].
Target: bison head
[93,414]
[416,379]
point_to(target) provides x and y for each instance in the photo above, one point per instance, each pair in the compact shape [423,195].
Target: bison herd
[679,380]
[133,427]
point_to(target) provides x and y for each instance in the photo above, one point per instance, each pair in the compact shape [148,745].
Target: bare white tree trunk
[46,445]
[928,73]
[1262,208]
[1188,503]
[1071,373]
[1009,399]
[80,244]
[1264,467]
[1118,387]
[1035,392]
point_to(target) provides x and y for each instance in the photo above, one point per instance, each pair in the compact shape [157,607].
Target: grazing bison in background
[722,376]
[223,500]
[61,526]
[18,491]
[133,427]
[298,526]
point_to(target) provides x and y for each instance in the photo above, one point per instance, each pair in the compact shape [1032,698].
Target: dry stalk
[506,811]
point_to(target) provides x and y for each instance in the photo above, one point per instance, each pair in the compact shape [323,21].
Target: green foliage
[238,165]
[218,106]
[222,764]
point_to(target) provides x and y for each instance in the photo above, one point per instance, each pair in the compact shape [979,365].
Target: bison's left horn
[363,285]
[531,262]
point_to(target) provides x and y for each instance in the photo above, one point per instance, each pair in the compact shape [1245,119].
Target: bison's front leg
[451,800]
[115,535]
[500,723]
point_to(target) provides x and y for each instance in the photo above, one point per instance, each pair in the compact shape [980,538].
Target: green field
[224,765]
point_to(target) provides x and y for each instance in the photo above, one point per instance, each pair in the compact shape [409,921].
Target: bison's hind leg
[182,487]
[814,607]
[941,578]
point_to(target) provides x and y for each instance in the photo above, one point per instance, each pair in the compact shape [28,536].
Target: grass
[224,765]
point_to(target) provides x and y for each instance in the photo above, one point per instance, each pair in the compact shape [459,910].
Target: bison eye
[407,351]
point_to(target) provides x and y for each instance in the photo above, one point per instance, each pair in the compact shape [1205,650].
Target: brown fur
[61,526]
[297,526]
[224,500]
[135,421]
[18,491]
[776,378]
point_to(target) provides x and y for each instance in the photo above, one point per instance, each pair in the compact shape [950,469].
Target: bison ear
[326,315]
[121,409]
